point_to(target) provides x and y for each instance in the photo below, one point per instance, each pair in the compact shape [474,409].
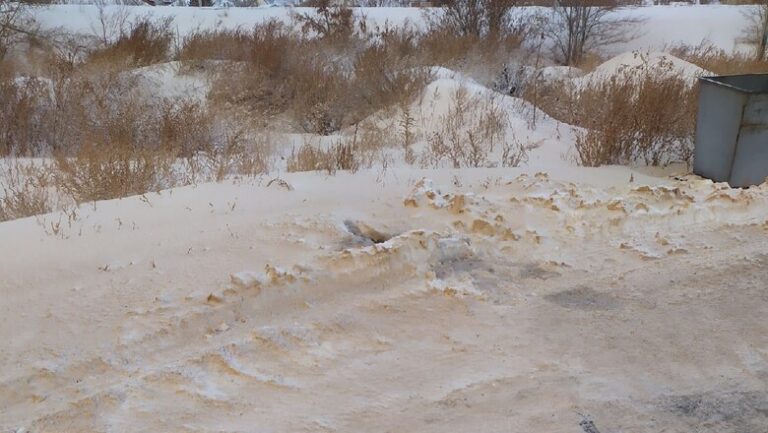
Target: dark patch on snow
[584,298]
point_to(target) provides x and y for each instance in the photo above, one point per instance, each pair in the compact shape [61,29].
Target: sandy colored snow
[545,298]
[499,302]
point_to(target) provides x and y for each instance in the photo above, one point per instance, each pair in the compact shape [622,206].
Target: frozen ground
[547,298]
[490,303]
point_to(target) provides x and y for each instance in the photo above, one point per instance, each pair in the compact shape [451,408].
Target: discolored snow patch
[584,298]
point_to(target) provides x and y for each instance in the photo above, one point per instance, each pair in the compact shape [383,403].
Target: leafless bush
[719,61]
[756,32]
[319,94]
[145,42]
[467,133]
[111,23]
[237,150]
[15,24]
[310,157]
[478,18]
[634,121]
[106,171]
[25,104]
[407,124]
[330,21]
[578,26]
[628,118]
[24,190]
[514,152]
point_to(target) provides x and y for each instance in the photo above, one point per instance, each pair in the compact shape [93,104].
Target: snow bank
[550,140]
[633,65]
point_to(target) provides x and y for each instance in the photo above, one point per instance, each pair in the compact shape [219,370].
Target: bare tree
[111,24]
[577,26]
[329,20]
[480,18]
[14,23]
[757,31]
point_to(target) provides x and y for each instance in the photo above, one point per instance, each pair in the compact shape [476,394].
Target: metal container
[732,130]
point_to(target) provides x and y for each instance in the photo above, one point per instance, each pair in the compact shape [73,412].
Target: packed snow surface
[393,302]
[544,298]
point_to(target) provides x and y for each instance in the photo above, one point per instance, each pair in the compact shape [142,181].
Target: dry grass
[467,133]
[646,117]
[25,190]
[270,74]
[310,157]
[108,142]
[23,106]
[325,77]
[718,61]
[144,43]
[98,172]
[634,122]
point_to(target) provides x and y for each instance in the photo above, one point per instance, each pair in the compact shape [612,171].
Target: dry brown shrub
[319,97]
[465,33]
[514,152]
[235,151]
[641,115]
[146,42]
[719,61]
[116,149]
[107,171]
[329,21]
[461,52]
[321,94]
[589,61]
[266,46]
[25,189]
[384,79]
[25,103]
[184,128]
[636,122]
[310,157]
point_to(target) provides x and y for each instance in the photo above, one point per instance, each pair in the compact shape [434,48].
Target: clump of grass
[719,61]
[103,172]
[467,133]
[356,76]
[310,157]
[145,42]
[628,118]
[25,191]
[25,104]
[634,122]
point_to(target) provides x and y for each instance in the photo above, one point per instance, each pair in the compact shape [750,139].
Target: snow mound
[635,64]
[548,140]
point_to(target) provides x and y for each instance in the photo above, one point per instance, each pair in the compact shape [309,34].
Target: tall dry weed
[25,189]
[465,136]
[145,42]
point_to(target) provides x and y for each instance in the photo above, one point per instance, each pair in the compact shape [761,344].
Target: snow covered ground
[491,301]
[544,298]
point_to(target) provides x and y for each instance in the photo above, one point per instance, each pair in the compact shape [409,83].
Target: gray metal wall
[732,130]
